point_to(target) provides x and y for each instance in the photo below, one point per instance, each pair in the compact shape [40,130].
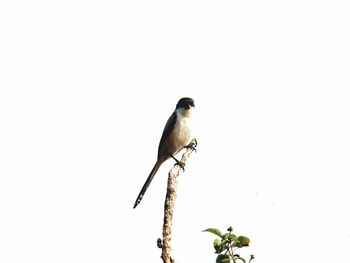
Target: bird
[176,135]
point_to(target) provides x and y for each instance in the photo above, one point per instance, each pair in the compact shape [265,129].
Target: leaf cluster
[227,244]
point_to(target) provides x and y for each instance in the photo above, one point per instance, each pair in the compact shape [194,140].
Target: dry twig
[170,203]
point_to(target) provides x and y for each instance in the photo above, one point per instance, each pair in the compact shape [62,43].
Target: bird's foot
[181,164]
[192,145]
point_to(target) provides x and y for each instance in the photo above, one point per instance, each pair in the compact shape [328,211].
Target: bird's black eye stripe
[190,104]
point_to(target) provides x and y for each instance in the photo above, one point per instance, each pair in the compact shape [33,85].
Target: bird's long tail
[148,182]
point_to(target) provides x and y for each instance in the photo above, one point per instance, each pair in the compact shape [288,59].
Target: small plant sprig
[227,244]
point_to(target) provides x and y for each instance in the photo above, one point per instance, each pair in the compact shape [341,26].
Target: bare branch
[170,203]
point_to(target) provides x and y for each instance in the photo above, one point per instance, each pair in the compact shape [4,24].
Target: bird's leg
[181,164]
[192,145]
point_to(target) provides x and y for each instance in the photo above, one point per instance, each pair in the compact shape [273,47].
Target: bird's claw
[181,164]
[192,145]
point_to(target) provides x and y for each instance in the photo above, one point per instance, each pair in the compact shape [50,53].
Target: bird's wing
[169,126]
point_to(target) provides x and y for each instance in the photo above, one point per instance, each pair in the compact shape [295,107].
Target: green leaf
[231,236]
[214,231]
[243,241]
[223,259]
[218,245]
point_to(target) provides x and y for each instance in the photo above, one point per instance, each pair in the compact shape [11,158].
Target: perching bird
[176,135]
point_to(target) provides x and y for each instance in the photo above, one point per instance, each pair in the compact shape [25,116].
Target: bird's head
[186,103]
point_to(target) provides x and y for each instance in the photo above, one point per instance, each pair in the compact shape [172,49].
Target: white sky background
[86,89]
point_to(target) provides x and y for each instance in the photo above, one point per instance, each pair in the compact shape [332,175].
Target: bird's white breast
[182,129]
